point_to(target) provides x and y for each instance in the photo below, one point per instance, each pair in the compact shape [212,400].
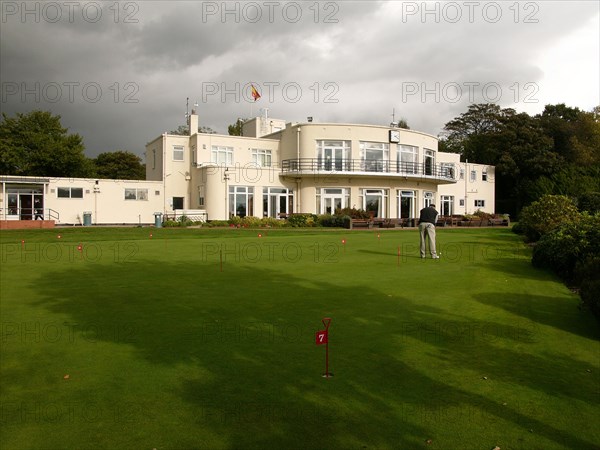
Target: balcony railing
[14,213]
[345,166]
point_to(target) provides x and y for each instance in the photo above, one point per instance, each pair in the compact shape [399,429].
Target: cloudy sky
[119,73]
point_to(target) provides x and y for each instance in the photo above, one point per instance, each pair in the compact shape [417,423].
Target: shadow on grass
[251,330]
[560,312]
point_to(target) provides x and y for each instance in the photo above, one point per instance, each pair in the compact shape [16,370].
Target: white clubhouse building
[274,169]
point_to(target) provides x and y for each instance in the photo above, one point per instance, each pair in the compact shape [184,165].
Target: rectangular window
[221,155]
[70,192]
[136,194]
[479,203]
[427,199]
[276,202]
[260,157]
[374,156]
[461,202]
[201,196]
[462,174]
[473,175]
[241,201]
[447,208]
[484,175]
[447,170]
[177,153]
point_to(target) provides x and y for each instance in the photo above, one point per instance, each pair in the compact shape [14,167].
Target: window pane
[64,192]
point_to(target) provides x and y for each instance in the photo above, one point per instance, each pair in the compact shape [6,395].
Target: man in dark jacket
[427,221]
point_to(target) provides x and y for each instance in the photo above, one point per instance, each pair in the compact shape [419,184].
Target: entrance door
[26,202]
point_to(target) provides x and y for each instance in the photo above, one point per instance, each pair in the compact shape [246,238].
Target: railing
[29,214]
[377,166]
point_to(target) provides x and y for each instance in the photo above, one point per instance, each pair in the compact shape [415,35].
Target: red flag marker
[150,235]
[22,243]
[80,247]
[259,235]
[59,236]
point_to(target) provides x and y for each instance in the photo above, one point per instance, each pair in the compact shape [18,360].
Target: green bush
[563,248]
[588,279]
[545,215]
[217,223]
[590,202]
[303,220]
[338,221]
[353,213]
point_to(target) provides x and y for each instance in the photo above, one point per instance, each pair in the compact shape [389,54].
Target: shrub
[303,220]
[353,213]
[588,278]
[545,215]
[328,220]
[590,202]
[217,223]
[573,242]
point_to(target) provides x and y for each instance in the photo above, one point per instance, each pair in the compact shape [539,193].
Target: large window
[406,204]
[374,156]
[222,156]
[277,201]
[331,199]
[407,158]
[375,201]
[178,153]
[136,194]
[447,170]
[447,205]
[241,201]
[333,155]
[70,192]
[479,203]
[262,158]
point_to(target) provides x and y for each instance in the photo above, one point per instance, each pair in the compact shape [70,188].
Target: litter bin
[158,219]
[87,218]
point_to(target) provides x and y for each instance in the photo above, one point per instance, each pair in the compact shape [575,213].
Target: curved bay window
[333,155]
[331,199]
[375,201]
[374,156]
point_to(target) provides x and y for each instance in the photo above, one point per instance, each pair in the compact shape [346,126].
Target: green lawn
[165,347]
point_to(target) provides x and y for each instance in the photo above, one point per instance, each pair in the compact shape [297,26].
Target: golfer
[427,221]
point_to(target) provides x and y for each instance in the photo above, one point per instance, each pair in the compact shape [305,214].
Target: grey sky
[344,61]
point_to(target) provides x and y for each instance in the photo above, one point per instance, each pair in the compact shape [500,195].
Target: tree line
[36,144]
[555,152]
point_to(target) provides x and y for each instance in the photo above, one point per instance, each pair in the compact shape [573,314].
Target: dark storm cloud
[124,77]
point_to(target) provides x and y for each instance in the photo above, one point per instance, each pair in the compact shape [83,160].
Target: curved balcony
[437,173]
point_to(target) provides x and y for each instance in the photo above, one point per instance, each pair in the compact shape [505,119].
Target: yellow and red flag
[255,93]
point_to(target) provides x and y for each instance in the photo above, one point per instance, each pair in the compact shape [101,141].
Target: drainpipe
[298,179]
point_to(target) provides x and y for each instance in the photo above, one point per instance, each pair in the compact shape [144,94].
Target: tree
[36,144]
[119,165]
[469,133]
[236,128]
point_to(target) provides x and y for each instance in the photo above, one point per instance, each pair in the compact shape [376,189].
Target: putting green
[174,338]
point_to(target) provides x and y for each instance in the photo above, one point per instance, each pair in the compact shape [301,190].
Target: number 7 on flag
[321,337]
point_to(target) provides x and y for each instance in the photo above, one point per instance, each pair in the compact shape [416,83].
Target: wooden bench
[361,223]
